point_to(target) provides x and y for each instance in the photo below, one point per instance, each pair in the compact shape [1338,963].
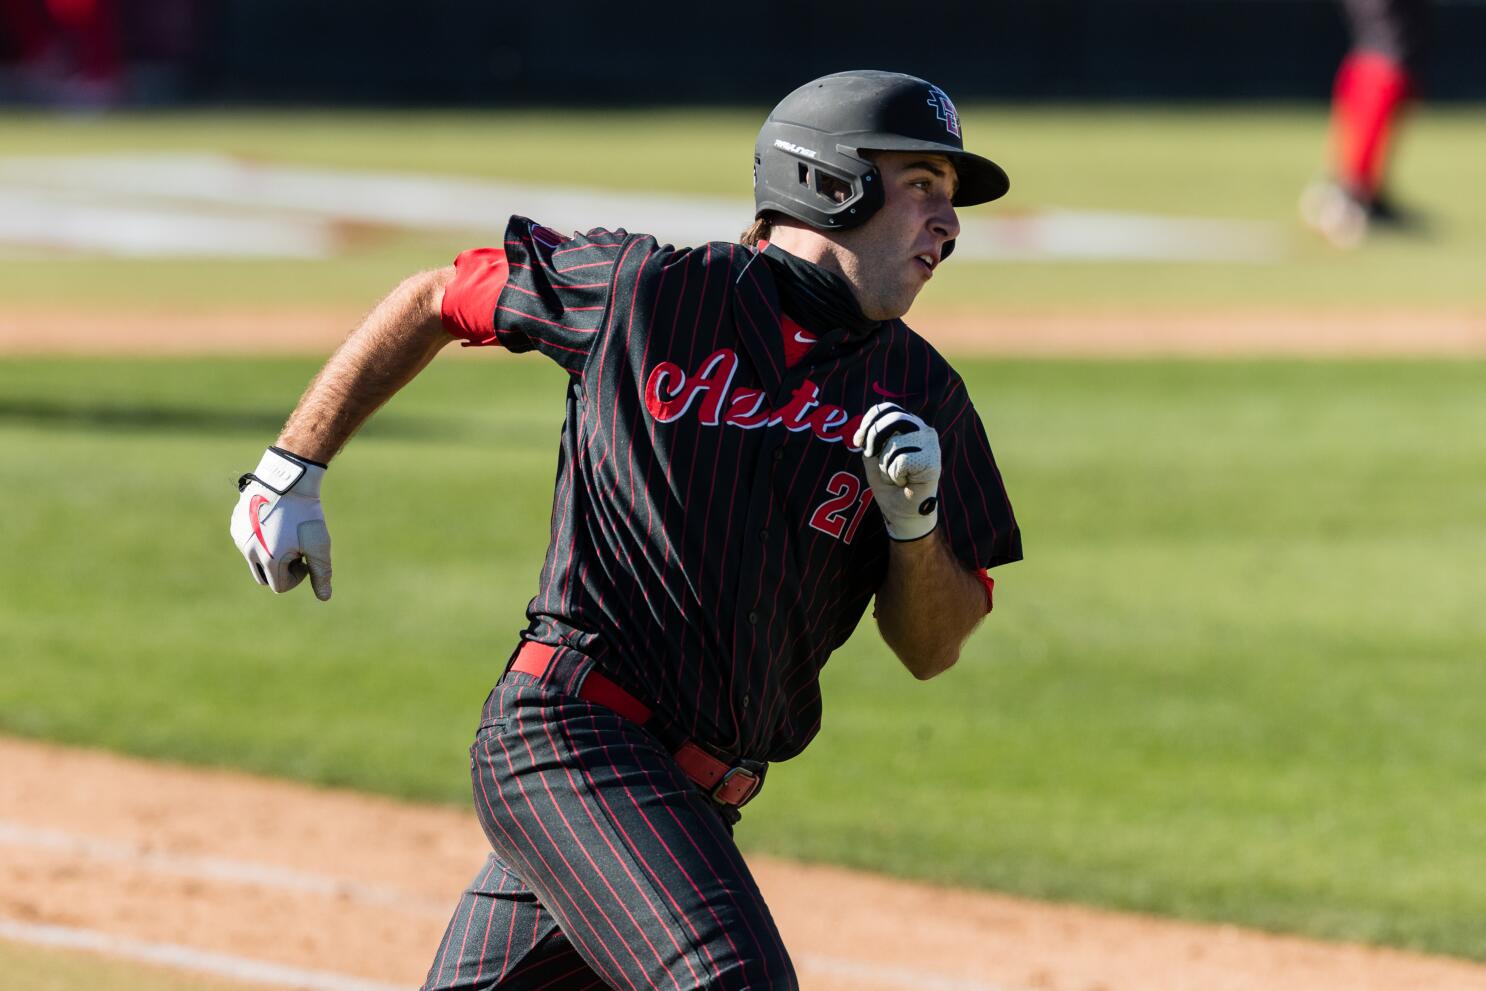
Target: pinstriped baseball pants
[610,868]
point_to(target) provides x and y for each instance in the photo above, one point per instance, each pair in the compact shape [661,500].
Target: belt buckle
[751,776]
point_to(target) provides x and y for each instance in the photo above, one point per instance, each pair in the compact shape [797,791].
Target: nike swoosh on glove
[279,524]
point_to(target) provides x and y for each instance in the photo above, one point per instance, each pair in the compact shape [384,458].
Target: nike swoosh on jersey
[877,388]
[802,339]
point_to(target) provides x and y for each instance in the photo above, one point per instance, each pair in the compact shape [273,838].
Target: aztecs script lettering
[670,392]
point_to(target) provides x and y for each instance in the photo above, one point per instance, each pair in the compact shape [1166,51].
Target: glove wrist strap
[279,471]
[906,531]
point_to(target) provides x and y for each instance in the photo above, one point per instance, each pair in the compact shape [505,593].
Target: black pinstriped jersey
[713,534]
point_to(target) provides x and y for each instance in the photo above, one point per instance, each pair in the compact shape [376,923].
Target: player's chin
[893,304]
[904,301]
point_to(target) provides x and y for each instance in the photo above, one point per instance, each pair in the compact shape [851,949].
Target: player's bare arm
[928,605]
[928,602]
[394,343]
[279,523]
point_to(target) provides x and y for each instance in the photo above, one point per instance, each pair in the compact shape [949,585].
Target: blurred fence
[486,52]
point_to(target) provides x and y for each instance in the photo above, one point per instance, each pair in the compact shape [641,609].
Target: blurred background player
[70,51]
[1375,81]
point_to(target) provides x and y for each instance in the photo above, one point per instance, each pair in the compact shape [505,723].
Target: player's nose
[945,222]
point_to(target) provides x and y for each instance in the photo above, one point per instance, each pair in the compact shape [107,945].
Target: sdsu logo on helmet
[944,109]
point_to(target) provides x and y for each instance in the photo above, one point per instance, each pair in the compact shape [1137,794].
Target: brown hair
[760,230]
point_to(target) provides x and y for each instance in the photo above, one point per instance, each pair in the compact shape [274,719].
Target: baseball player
[1373,86]
[755,446]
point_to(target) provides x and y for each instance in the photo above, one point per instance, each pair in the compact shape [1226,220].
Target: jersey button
[752,618]
[763,536]
[778,454]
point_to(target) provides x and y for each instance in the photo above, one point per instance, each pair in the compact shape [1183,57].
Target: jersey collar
[818,299]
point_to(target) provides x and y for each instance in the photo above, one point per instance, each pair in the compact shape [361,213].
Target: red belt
[727,784]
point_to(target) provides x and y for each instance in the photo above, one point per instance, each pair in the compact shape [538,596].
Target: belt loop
[557,667]
[572,667]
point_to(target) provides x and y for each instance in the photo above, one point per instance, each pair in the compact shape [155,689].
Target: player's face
[891,257]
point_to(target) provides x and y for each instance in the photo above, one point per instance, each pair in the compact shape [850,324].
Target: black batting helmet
[808,161]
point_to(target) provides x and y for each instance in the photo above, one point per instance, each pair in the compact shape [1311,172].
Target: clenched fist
[901,452]
[279,525]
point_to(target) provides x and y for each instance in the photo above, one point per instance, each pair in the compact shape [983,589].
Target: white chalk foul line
[185,958]
[222,869]
[258,972]
[890,977]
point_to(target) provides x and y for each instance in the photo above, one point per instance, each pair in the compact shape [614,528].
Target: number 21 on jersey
[846,491]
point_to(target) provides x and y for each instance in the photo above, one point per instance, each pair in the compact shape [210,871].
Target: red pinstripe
[575,268]
[464,938]
[613,427]
[592,863]
[693,339]
[639,415]
[819,611]
[699,947]
[549,323]
[604,354]
[669,603]
[563,506]
[509,839]
[585,247]
[561,981]
[769,707]
[485,947]
[505,964]
[697,849]
[824,467]
[449,941]
[727,542]
[524,292]
[614,823]
[548,871]
[978,436]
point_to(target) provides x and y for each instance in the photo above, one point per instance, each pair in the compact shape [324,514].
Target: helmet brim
[981,180]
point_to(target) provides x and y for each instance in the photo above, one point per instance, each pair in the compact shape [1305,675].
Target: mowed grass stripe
[1237,678]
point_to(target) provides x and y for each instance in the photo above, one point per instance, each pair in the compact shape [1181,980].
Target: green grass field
[1238,677]
[57,970]
[1247,164]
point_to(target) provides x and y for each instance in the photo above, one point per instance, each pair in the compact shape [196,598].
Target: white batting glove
[279,525]
[901,452]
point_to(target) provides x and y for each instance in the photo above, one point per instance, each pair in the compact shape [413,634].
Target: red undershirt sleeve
[990,587]
[480,275]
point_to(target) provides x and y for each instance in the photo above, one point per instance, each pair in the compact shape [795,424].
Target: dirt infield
[341,884]
[1259,332]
